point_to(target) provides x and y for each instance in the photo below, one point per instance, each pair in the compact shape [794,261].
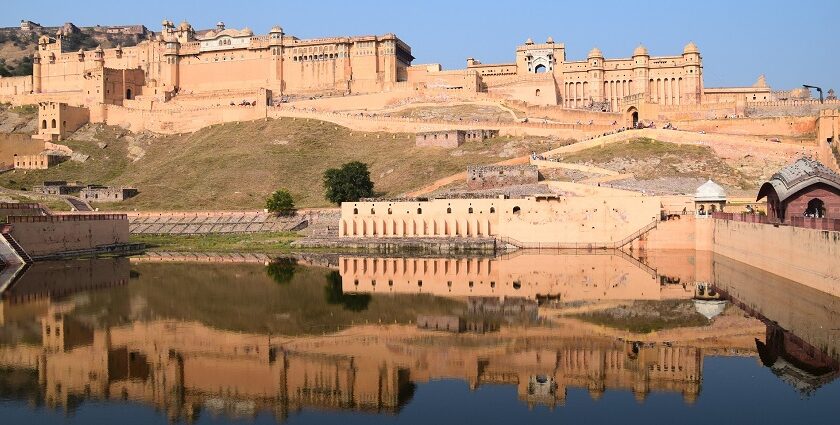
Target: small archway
[539,69]
[128,94]
[44,124]
[815,209]
[53,123]
[537,92]
[632,117]
[516,210]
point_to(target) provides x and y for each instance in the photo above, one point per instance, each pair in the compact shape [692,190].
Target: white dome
[710,191]
[710,308]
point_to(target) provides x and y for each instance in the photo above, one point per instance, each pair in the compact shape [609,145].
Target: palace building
[601,83]
[180,59]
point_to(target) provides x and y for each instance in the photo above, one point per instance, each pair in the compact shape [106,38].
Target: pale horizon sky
[792,43]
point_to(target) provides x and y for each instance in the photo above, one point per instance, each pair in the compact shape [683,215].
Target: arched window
[372,211]
[44,124]
[449,210]
[419,210]
[470,211]
[128,94]
[537,93]
[355,210]
[816,208]
[540,69]
[492,210]
[53,123]
[516,210]
[389,211]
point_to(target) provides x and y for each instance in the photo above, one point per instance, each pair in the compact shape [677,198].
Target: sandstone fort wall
[42,236]
[534,220]
[810,257]
[783,127]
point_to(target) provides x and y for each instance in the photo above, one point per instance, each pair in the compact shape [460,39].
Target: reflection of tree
[334,294]
[281,270]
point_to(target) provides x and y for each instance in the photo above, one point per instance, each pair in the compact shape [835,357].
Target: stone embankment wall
[49,235]
[810,257]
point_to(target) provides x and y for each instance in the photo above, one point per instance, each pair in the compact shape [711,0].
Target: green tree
[281,202]
[349,183]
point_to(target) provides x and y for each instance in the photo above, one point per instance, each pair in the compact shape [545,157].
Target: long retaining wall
[779,127]
[810,257]
[51,235]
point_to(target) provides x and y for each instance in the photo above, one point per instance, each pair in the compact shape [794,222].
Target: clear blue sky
[792,42]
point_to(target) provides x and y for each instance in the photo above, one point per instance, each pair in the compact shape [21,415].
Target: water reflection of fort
[186,368]
[567,277]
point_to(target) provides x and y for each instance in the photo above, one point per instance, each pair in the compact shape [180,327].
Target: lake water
[525,338]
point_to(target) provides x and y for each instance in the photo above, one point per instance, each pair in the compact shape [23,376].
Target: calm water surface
[527,338]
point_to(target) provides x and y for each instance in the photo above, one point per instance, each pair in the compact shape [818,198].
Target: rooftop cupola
[690,48]
[640,50]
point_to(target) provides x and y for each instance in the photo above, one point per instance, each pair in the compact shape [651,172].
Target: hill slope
[237,165]
[17,46]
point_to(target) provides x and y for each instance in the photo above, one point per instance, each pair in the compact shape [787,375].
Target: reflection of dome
[710,191]
[690,48]
[640,50]
[595,53]
[710,308]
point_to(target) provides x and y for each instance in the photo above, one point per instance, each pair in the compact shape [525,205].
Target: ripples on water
[543,338]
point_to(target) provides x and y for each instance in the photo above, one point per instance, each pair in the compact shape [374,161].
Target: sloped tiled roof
[797,176]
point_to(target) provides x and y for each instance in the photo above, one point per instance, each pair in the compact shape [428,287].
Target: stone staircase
[25,258]
[207,223]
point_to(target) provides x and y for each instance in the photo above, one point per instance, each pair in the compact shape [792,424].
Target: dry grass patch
[649,159]
[237,165]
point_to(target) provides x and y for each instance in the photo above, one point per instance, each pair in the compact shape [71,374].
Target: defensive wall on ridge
[783,128]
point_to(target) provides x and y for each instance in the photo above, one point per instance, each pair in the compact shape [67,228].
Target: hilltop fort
[180,68]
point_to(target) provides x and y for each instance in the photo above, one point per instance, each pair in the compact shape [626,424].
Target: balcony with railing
[803,222]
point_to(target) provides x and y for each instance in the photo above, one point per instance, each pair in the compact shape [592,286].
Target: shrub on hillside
[349,183]
[280,202]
